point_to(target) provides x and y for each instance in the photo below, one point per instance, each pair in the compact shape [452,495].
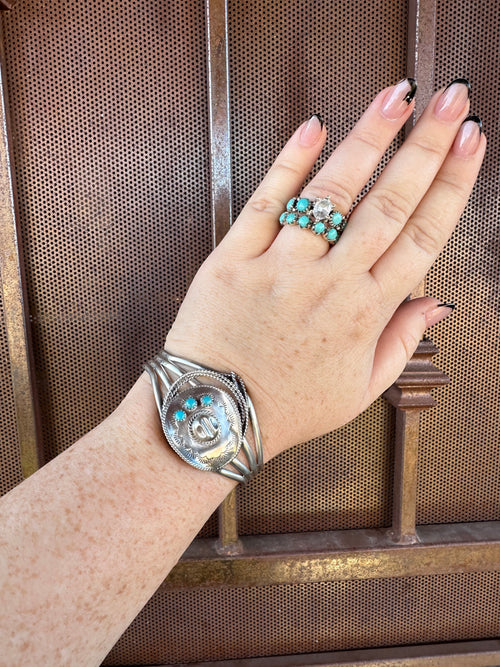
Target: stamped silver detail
[204,415]
[212,435]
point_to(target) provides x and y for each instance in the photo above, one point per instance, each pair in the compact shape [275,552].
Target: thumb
[400,339]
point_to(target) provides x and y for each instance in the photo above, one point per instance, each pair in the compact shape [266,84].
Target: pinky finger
[400,339]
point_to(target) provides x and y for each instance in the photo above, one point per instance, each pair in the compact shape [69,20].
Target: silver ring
[317,214]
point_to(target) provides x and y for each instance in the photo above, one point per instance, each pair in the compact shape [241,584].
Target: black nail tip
[466,82]
[411,94]
[318,116]
[446,305]
[477,120]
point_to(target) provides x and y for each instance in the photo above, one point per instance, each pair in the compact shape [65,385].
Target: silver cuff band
[204,415]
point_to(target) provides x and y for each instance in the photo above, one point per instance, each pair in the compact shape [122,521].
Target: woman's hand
[319,332]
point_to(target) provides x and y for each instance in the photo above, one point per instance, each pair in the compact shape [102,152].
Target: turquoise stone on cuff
[206,400]
[332,235]
[180,415]
[290,218]
[302,204]
[303,221]
[337,218]
[190,403]
[290,204]
[319,228]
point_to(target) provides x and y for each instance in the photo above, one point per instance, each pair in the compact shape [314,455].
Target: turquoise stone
[206,400]
[180,415]
[332,235]
[319,228]
[290,218]
[290,204]
[283,217]
[336,218]
[302,204]
[190,403]
[303,221]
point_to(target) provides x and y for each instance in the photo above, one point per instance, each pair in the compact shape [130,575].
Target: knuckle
[368,139]
[286,169]
[265,202]
[420,232]
[394,206]
[431,147]
[338,192]
[454,185]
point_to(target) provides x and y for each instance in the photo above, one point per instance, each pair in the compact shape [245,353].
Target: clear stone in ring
[322,209]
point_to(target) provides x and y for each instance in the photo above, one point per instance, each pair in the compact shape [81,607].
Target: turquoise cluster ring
[318,214]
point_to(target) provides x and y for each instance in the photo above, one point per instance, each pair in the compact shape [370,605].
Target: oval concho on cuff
[204,415]
[202,425]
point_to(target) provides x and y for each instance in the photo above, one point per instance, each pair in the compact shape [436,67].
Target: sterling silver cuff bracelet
[204,415]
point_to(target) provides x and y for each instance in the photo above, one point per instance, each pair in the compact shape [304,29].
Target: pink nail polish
[452,101]
[468,137]
[398,98]
[438,313]
[311,131]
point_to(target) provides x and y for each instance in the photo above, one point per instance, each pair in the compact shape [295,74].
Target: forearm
[86,541]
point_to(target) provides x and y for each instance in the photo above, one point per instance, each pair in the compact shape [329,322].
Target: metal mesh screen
[340,481]
[109,116]
[10,464]
[459,452]
[287,61]
[248,622]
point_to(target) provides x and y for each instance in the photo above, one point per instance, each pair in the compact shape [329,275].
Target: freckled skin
[89,573]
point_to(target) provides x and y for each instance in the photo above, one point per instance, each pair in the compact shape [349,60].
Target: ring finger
[352,163]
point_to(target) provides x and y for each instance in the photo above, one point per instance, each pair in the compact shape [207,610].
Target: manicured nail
[311,131]
[468,137]
[438,313]
[398,98]
[453,99]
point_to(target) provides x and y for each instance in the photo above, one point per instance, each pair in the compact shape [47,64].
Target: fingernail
[397,99]
[452,101]
[469,134]
[311,131]
[438,313]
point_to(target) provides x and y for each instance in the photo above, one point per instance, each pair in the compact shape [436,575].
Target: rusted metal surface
[219,124]
[15,302]
[460,654]
[339,556]
[229,542]
[220,184]
[410,394]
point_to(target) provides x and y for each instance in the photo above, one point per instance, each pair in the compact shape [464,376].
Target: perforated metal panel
[10,464]
[459,451]
[339,481]
[287,61]
[246,622]
[109,115]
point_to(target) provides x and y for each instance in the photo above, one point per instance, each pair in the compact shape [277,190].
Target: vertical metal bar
[220,179]
[15,301]
[219,120]
[405,476]
[420,65]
